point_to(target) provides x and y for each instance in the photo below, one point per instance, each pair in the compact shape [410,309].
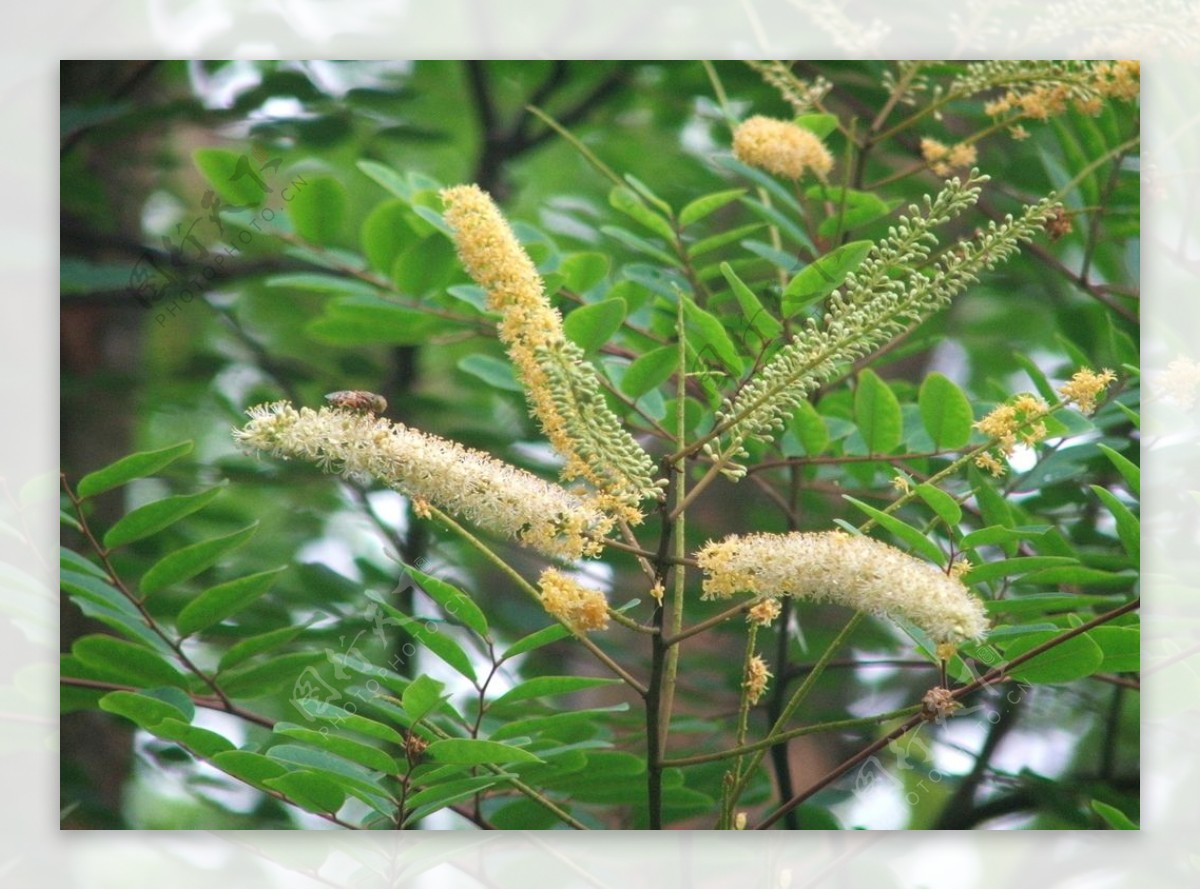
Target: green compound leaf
[154,517]
[134,466]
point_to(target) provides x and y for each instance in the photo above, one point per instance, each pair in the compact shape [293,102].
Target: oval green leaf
[546,686]
[583,271]
[708,337]
[218,603]
[384,233]
[135,664]
[318,209]
[354,751]
[941,503]
[491,370]
[144,710]
[819,278]
[649,371]
[477,751]
[877,413]
[354,321]
[1070,660]
[763,323]
[134,466]
[190,561]
[591,326]
[155,516]
[945,412]
[902,530]
[457,605]
[422,696]
[233,175]
[264,642]
[628,202]
[430,636]
[310,790]
[701,207]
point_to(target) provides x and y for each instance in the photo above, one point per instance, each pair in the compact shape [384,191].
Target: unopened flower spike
[564,390]
[854,571]
[500,498]
[872,306]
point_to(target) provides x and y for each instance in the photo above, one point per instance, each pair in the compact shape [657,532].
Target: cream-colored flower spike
[859,572]
[563,389]
[497,497]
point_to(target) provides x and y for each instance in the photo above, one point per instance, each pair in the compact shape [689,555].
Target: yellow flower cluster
[1085,386]
[764,613]
[582,608]
[943,159]
[1019,420]
[855,571]
[564,392]
[780,147]
[500,498]
[756,680]
[1108,80]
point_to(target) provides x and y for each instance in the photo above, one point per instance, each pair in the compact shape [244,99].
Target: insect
[357,400]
